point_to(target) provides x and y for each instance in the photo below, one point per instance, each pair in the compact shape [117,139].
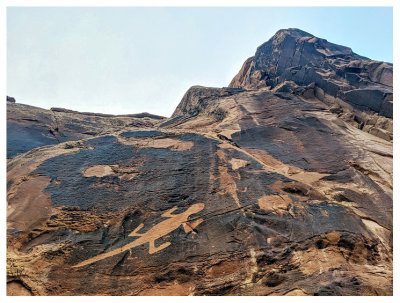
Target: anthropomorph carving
[161,229]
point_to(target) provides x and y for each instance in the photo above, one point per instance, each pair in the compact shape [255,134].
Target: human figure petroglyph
[161,229]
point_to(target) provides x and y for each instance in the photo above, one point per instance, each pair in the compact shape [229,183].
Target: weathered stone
[295,55]
[281,189]
[29,127]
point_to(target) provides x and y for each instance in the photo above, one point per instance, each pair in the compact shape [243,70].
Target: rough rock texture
[140,115]
[334,72]
[262,191]
[29,127]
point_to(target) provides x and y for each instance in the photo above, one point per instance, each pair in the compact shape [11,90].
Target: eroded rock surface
[331,72]
[265,190]
[29,127]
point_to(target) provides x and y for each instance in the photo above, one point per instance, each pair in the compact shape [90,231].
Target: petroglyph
[161,229]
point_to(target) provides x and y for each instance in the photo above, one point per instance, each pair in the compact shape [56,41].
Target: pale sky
[131,60]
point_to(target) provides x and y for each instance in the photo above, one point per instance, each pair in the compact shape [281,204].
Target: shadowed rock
[30,127]
[277,185]
[10,99]
[295,55]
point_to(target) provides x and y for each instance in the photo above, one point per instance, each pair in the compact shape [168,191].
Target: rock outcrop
[29,127]
[336,75]
[140,115]
[10,99]
[261,188]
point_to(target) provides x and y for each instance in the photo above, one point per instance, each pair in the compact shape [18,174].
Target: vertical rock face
[272,186]
[294,55]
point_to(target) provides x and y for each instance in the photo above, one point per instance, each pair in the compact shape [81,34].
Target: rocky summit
[279,184]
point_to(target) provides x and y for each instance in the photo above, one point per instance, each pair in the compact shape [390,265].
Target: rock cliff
[335,74]
[280,184]
[29,127]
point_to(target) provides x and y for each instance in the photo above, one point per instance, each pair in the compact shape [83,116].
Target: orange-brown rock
[265,190]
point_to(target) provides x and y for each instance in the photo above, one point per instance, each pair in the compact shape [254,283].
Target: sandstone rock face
[29,127]
[254,191]
[294,55]
[140,115]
